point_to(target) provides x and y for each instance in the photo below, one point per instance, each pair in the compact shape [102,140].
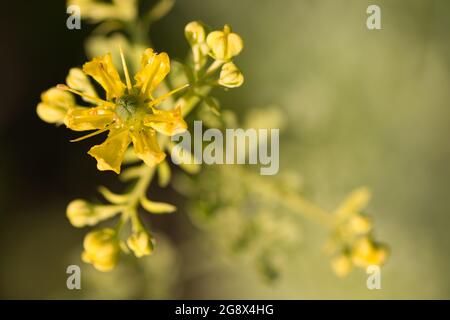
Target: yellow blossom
[224,44]
[230,76]
[141,243]
[129,112]
[101,249]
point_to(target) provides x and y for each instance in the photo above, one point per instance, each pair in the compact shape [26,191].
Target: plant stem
[294,202]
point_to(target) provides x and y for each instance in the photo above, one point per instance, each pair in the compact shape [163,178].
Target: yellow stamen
[125,69]
[90,135]
[165,96]
[98,100]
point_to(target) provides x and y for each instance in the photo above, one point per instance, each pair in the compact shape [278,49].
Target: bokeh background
[361,107]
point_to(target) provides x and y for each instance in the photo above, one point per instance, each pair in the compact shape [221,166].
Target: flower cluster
[136,126]
[352,243]
[220,45]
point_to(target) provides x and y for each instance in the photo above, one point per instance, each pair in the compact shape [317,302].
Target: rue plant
[146,101]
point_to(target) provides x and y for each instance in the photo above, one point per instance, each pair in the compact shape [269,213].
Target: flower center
[127,106]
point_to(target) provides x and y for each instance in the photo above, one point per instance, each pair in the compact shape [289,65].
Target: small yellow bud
[231,76]
[366,253]
[224,44]
[101,249]
[341,265]
[194,33]
[82,213]
[54,106]
[141,243]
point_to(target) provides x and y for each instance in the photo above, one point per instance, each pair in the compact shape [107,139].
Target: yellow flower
[225,44]
[129,112]
[230,76]
[55,105]
[101,249]
[365,253]
[141,243]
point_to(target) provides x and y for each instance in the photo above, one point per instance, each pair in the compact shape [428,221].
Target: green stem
[135,195]
[293,201]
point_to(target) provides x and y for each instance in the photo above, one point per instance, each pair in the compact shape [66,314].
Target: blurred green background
[362,108]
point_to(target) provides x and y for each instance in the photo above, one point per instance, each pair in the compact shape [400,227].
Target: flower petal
[77,79]
[103,71]
[146,146]
[109,154]
[230,76]
[168,123]
[154,68]
[81,119]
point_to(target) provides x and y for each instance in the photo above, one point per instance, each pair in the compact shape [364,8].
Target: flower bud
[101,249]
[141,243]
[230,76]
[82,213]
[54,106]
[224,45]
[194,33]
